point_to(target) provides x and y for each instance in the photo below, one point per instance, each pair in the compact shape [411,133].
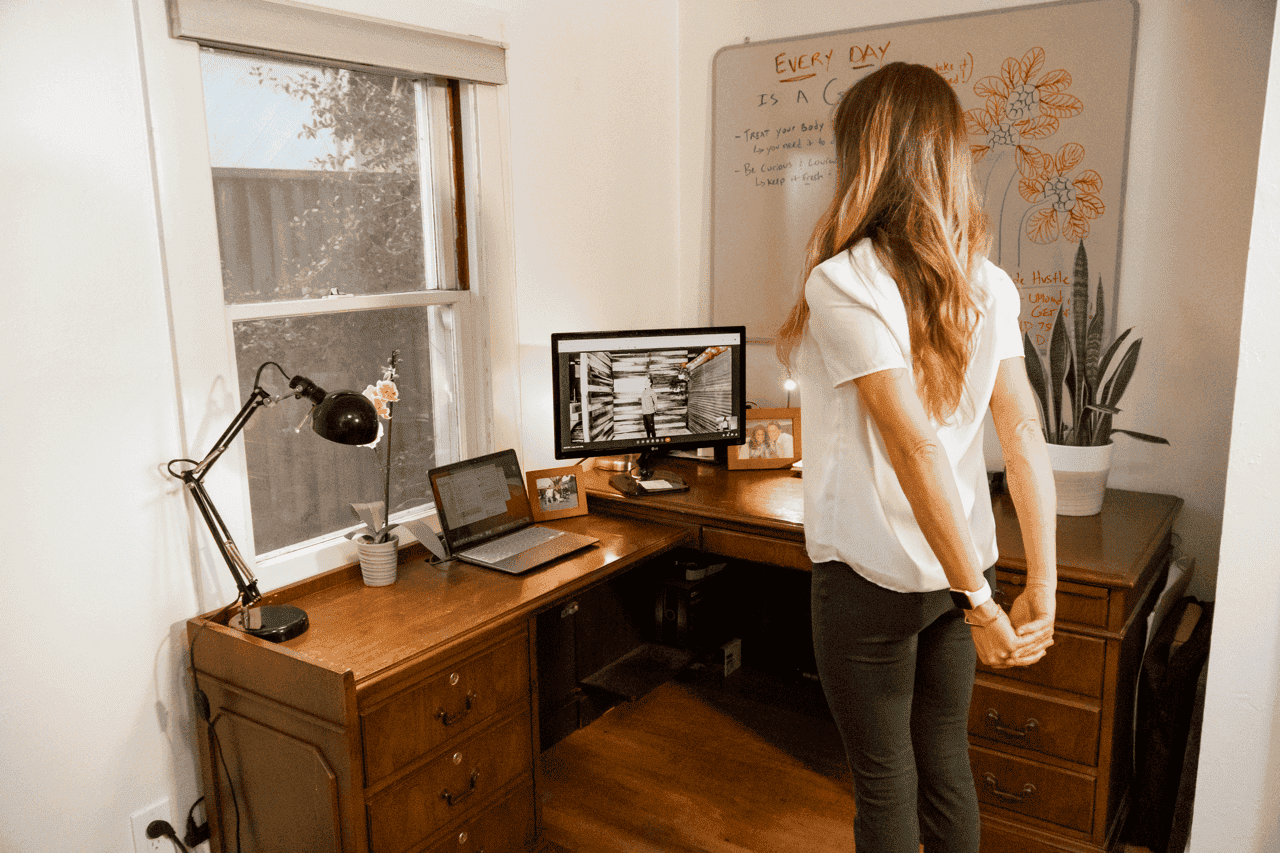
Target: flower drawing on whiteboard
[1064,201]
[1021,105]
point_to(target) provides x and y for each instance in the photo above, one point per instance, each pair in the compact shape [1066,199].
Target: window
[337,220]
[353,202]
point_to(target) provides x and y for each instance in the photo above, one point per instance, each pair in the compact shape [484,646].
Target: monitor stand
[644,480]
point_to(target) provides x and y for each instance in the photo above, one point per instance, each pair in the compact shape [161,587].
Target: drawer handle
[449,719]
[994,719]
[454,799]
[992,786]
[462,839]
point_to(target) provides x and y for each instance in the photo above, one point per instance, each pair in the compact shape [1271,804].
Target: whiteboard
[773,166]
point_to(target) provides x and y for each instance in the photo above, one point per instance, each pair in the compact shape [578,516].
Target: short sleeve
[852,335]
[1008,333]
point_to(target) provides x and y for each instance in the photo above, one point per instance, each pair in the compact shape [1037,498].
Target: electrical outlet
[141,819]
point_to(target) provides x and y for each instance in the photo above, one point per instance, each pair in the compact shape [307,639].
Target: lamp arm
[257,399]
[246,581]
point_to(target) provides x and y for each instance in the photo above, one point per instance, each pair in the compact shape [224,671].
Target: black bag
[1167,704]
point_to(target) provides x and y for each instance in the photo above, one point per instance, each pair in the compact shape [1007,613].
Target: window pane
[316,179]
[301,487]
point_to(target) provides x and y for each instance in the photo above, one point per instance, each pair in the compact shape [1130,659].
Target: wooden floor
[703,766]
[691,767]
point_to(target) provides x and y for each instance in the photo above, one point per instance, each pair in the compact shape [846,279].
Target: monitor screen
[653,390]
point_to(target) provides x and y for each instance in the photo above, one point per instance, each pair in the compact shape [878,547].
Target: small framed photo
[556,493]
[773,440]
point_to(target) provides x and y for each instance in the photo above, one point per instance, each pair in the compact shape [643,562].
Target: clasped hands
[1018,638]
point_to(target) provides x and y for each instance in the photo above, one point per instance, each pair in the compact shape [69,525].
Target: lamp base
[273,622]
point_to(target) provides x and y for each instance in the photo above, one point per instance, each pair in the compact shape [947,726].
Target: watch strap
[968,600]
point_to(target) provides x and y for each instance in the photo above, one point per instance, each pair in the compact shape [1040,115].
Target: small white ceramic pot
[378,560]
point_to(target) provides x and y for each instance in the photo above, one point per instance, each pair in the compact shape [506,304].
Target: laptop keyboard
[512,544]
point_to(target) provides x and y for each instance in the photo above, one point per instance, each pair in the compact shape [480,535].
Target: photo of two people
[772,440]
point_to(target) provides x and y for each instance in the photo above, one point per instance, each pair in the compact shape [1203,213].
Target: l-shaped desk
[405,719]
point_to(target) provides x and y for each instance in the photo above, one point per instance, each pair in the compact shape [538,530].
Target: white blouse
[855,510]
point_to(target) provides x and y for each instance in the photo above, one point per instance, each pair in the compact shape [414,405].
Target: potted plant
[1079,392]
[377,545]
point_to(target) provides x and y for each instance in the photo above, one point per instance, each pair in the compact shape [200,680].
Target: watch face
[961,600]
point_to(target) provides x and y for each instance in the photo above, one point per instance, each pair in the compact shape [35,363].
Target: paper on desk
[1175,587]
[656,485]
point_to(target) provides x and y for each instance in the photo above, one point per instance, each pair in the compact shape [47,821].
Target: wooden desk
[1050,744]
[402,720]
[749,515]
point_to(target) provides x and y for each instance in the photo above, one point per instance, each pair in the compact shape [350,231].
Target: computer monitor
[648,392]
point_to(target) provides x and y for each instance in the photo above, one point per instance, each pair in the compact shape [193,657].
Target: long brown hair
[904,179]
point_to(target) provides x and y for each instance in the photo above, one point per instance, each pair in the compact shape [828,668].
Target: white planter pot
[1080,475]
[378,560]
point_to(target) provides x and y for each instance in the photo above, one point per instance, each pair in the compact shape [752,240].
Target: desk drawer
[449,785]
[450,701]
[505,827]
[1010,715]
[1078,603]
[1032,789]
[1073,663]
[759,549]
[998,837]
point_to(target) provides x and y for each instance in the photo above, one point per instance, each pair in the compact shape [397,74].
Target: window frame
[204,353]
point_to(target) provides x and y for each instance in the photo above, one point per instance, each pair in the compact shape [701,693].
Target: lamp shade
[345,417]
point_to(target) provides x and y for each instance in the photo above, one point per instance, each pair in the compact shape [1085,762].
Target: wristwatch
[967,600]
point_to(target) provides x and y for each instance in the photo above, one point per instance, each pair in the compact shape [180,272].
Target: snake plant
[1076,375]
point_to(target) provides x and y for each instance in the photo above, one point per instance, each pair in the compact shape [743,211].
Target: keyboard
[512,544]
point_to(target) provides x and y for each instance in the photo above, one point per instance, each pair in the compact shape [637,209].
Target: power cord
[204,708]
[196,833]
[162,829]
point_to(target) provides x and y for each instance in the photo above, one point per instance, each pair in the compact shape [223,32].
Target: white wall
[609,106]
[594,174]
[93,724]
[1239,782]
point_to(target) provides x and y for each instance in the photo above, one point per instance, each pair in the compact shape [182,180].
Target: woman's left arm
[925,475]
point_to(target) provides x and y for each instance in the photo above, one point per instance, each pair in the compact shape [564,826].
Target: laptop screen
[480,498]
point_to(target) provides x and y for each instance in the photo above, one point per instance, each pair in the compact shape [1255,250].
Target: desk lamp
[344,417]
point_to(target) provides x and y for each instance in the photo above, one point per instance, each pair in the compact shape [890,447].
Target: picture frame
[776,445]
[556,492]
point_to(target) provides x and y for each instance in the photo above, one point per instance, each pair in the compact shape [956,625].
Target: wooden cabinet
[1051,745]
[403,720]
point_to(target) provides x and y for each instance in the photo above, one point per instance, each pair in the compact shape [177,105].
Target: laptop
[486,517]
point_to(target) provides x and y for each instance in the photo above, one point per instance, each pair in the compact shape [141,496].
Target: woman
[758,445]
[905,337]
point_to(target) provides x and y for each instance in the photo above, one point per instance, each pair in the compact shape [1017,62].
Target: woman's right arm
[1030,482]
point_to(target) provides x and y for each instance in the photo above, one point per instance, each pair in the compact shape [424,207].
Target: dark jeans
[649,428]
[897,670]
